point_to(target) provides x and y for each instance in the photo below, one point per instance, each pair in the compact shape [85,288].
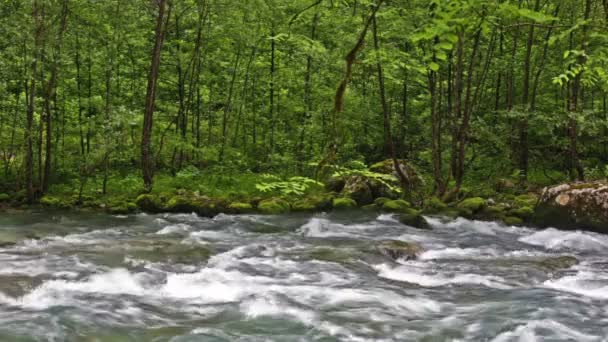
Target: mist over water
[95,277]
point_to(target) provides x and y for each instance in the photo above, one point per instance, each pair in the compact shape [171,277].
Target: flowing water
[94,277]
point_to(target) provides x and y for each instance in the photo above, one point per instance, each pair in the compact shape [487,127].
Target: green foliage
[292,187]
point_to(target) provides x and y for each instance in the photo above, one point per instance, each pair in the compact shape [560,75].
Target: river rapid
[317,277]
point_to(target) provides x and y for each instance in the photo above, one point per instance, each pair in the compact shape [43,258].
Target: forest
[112,99]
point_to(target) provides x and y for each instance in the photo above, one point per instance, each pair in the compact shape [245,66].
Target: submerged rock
[574,206]
[553,264]
[340,256]
[396,249]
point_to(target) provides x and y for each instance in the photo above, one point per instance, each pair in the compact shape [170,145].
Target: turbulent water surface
[93,277]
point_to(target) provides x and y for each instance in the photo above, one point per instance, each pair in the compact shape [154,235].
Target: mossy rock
[56,202]
[379,202]
[434,205]
[122,208]
[513,221]
[240,207]
[471,206]
[359,189]
[273,206]
[149,203]
[396,249]
[398,206]
[343,203]
[527,200]
[574,206]
[313,203]
[4,197]
[524,213]
[370,207]
[182,204]
[414,218]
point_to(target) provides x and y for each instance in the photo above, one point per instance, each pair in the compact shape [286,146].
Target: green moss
[149,203]
[523,212]
[396,206]
[434,205]
[273,206]
[240,207]
[472,205]
[313,203]
[380,201]
[369,207]
[56,202]
[4,197]
[513,221]
[527,200]
[414,218]
[344,203]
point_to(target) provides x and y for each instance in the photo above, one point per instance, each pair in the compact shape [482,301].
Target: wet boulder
[414,218]
[397,249]
[574,206]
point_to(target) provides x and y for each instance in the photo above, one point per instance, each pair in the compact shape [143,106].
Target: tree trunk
[51,90]
[147,158]
[29,156]
[403,177]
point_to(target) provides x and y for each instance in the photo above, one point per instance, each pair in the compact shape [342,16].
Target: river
[96,277]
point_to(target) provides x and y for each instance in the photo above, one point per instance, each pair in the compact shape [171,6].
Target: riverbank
[374,189]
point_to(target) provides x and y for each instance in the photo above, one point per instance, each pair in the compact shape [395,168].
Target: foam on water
[528,332]
[179,228]
[59,292]
[324,228]
[416,276]
[553,239]
[585,283]
[273,307]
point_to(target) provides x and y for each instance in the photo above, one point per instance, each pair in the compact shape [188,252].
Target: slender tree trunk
[575,94]
[523,124]
[463,131]
[51,91]
[228,104]
[339,97]
[147,158]
[401,174]
[29,156]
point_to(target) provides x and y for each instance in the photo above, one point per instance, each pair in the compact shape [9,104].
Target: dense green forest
[117,96]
